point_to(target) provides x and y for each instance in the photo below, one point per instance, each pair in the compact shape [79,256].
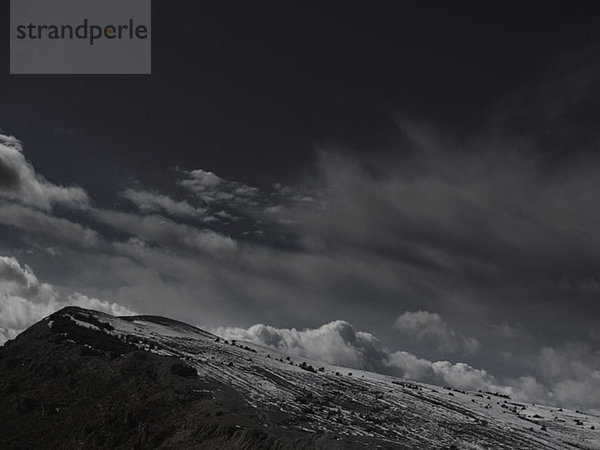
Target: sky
[408,188]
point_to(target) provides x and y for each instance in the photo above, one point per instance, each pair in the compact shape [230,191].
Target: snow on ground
[348,402]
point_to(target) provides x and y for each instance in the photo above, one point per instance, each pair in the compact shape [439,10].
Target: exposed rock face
[84,379]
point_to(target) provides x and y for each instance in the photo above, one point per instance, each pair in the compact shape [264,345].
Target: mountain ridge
[85,379]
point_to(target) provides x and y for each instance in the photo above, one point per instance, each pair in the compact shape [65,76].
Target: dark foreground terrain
[83,379]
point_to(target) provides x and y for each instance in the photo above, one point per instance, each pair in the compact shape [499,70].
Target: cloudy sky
[411,190]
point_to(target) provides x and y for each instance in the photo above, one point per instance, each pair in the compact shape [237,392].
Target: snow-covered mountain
[167,384]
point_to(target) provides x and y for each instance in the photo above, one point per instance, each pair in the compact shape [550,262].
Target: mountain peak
[86,378]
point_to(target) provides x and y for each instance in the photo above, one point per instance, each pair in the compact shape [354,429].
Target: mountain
[85,379]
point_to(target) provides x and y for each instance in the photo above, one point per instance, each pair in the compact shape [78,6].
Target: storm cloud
[439,231]
[467,259]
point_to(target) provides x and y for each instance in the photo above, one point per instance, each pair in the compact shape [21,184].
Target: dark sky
[263,83]
[425,171]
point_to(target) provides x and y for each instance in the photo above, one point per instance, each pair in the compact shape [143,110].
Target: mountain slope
[84,379]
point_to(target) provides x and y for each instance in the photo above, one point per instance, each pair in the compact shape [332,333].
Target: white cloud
[463,376]
[427,326]
[20,182]
[148,202]
[338,343]
[335,342]
[569,375]
[82,300]
[409,366]
[24,300]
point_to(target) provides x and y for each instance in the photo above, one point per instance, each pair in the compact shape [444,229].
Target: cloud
[568,375]
[235,201]
[427,326]
[339,343]
[463,376]
[335,342]
[400,237]
[38,223]
[148,202]
[480,234]
[201,179]
[444,373]
[212,189]
[24,300]
[20,182]
[164,232]
[489,243]
[82,300]
[573,372]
